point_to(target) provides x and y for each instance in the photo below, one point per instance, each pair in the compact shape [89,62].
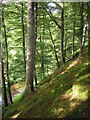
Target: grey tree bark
[81,28]
[73,35]
[42,57]
[36,11]
[88,25]
[65,45]
[4,85]
[30,47]
[23,36]
[84,36]
[2,74]
[58,65]
[62,33]
[7,68]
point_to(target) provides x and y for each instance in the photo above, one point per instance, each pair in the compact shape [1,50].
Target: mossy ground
[65,94]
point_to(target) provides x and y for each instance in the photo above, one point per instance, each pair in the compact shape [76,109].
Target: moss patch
[63,95]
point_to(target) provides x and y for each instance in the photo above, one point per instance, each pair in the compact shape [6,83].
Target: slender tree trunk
[23,38]
[42,61]
[30,47]
[62,33]
[81,27]
[4,86]
[54,48]
[65,44]
[42,47]
[6,46]
[84,36]
[88,28]
[35,79]
[3,78]
[73,35]
[88,25]
[36,8]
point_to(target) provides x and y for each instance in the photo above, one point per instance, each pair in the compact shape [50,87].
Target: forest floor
[64,94]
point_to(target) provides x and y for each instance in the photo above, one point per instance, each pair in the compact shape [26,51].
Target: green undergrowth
[17,97]
[63,95]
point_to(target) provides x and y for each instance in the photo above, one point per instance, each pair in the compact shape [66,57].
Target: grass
[63,95]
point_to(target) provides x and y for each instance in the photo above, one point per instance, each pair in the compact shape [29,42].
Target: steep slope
[64,94]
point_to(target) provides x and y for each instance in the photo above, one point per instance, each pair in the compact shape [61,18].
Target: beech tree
[73,34]
[88,22]
[54,48]
[36,14]
[3,83]
[2,73]
[7,68]
[62,33]
[30,47]
[84,35]
[23,36]
[81,28]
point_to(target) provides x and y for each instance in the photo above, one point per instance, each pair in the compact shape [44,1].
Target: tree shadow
[81,111]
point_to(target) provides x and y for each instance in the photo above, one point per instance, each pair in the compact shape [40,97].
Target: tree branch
[51,16]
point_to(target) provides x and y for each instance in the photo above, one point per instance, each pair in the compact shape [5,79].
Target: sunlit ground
[64,95]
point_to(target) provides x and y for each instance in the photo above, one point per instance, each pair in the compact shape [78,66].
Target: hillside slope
[63,95]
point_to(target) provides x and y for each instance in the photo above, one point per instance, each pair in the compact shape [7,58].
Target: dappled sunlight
[12,52]
[16,115]
[77,92]
[83,77]
[60,112]
[87,63]
[69,101]
[74,104]
[59,96]
[65,96]
[74,63]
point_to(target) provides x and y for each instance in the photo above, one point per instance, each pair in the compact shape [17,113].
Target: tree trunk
[81,28]
[62,33]
[35,79]
[6,46]
[23,38]
[54,49]
[65,44]
[36,8]
[73,35]
[42,61]
[30,47]
[3,78]
[42,47]
[88,25]
[84,36]
[4,86]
